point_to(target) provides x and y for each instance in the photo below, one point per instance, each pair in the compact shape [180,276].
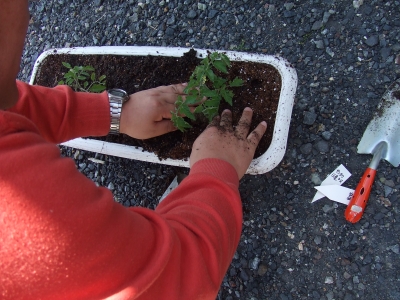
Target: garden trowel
[382,139]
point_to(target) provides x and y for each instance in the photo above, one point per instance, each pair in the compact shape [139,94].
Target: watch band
[116,98]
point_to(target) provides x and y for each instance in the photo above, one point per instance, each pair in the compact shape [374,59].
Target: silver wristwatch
[117,97]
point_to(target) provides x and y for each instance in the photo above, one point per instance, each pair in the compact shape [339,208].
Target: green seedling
[206,90]
[83,79]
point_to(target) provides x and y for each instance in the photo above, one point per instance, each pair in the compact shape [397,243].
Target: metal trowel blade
[384,128]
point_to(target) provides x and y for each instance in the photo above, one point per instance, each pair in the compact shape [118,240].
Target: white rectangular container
[266,162]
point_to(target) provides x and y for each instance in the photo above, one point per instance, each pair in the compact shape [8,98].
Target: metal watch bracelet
[117,98]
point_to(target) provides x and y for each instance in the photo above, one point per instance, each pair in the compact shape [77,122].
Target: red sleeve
[61,114]
[62,237]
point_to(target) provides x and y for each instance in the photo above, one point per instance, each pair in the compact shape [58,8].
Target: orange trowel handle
[356,207]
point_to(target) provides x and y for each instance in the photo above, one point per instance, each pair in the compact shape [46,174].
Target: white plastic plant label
[336,178]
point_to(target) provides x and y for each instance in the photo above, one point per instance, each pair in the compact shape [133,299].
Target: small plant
[83,79]
[205,89]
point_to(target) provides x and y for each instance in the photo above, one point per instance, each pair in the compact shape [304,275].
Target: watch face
[119,93]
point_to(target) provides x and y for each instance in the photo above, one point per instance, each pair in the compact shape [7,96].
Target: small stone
[388,190]
[212,13]
[169,31]
[357,3]
[327,208]
[326,135]
[244,276]
[395,248]
[330,52]
[322,146]
[329,280]
[319,44]
[171,20]
[306,148]
[315,179]
[317,25]
[262,269]
[372,40]
[191,14]
[317,240]
[309,117]
[254,263]
[356,280]
[289,5]
[201,6]
[110,186]
[326,17]
[389,183]
[346,275]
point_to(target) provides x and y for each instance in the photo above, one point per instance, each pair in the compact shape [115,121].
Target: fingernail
[184,84]
[248,109]
[263,123]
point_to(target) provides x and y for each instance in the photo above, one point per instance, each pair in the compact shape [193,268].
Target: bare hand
[148,113]
[234,145]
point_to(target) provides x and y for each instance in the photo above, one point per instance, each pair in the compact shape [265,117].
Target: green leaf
[199,109]
[69,81]
[183,109]
[210,113]
[210,74]
[102,77]
[67,65]
[61,82]
[88,68]
[97,88]
[80,77]
[191,99]
[236,82]
[227,95]
[219,82]
[225,59]
[199,71]
[69,74]
[85,84]
[208,93]
[213,102]
[93,77]
[180,123]
[219,64]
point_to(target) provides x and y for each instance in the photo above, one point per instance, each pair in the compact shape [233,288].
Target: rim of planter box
[264,163]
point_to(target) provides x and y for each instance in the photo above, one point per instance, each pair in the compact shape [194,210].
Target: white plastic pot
[266,162]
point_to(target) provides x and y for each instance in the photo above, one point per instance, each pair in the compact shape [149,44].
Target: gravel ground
[345,53]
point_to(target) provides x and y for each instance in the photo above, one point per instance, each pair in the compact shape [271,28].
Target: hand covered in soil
[234,145]
[148,113]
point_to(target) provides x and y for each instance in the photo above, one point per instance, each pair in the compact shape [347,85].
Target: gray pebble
[326,135]
[372,40]
[315,179]
[212,13]
[306,148]
[309,117]
[317,25]
[191,14]
[322,146]
[395,248]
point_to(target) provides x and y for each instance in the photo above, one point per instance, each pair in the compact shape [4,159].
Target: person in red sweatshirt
[62,237]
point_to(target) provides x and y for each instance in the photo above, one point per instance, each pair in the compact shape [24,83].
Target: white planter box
[266,162]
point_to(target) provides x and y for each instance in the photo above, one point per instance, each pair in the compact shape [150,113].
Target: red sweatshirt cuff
[217,168]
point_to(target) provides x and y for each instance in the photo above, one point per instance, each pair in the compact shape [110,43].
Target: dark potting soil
[260,91]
